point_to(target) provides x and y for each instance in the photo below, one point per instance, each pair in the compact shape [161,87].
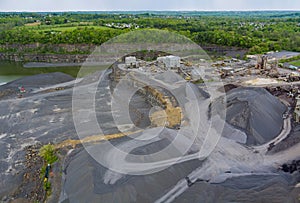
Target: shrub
[47,152]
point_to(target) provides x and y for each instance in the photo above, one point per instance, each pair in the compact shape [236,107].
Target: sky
[138,5]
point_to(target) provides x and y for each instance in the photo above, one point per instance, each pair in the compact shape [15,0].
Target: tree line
[258,33]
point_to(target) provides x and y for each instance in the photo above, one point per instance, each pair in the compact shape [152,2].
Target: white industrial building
[170,61]
[130,61]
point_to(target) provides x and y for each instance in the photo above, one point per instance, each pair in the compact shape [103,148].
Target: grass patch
[47,152]
[295,63]
[47,186]
[46,182]
[295,58]
[33,24]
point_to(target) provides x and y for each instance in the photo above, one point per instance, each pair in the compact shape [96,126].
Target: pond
[12,71]
[7,78]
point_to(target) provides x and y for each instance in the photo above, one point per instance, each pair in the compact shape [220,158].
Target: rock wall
[50,53]
[53,47]
[49,58]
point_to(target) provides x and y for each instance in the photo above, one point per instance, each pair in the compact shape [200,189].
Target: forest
[257,31]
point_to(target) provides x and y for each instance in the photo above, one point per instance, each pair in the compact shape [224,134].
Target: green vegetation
[201,81]
[293,61]
[46,183]
[47,187]
[296,63]
[86,35]
[295,58]
[257,31]
[47,152]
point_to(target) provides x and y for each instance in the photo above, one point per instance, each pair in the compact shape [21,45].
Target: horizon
[66,11]
[146,5]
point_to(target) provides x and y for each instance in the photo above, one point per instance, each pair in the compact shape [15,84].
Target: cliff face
[49,58]
[49,47]
[51,53]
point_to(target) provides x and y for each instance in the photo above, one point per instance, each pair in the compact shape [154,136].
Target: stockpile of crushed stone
[252,110]
[256,112]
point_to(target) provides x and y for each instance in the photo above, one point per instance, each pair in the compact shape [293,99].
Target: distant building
[170,62]
[160,65]
[130,61]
